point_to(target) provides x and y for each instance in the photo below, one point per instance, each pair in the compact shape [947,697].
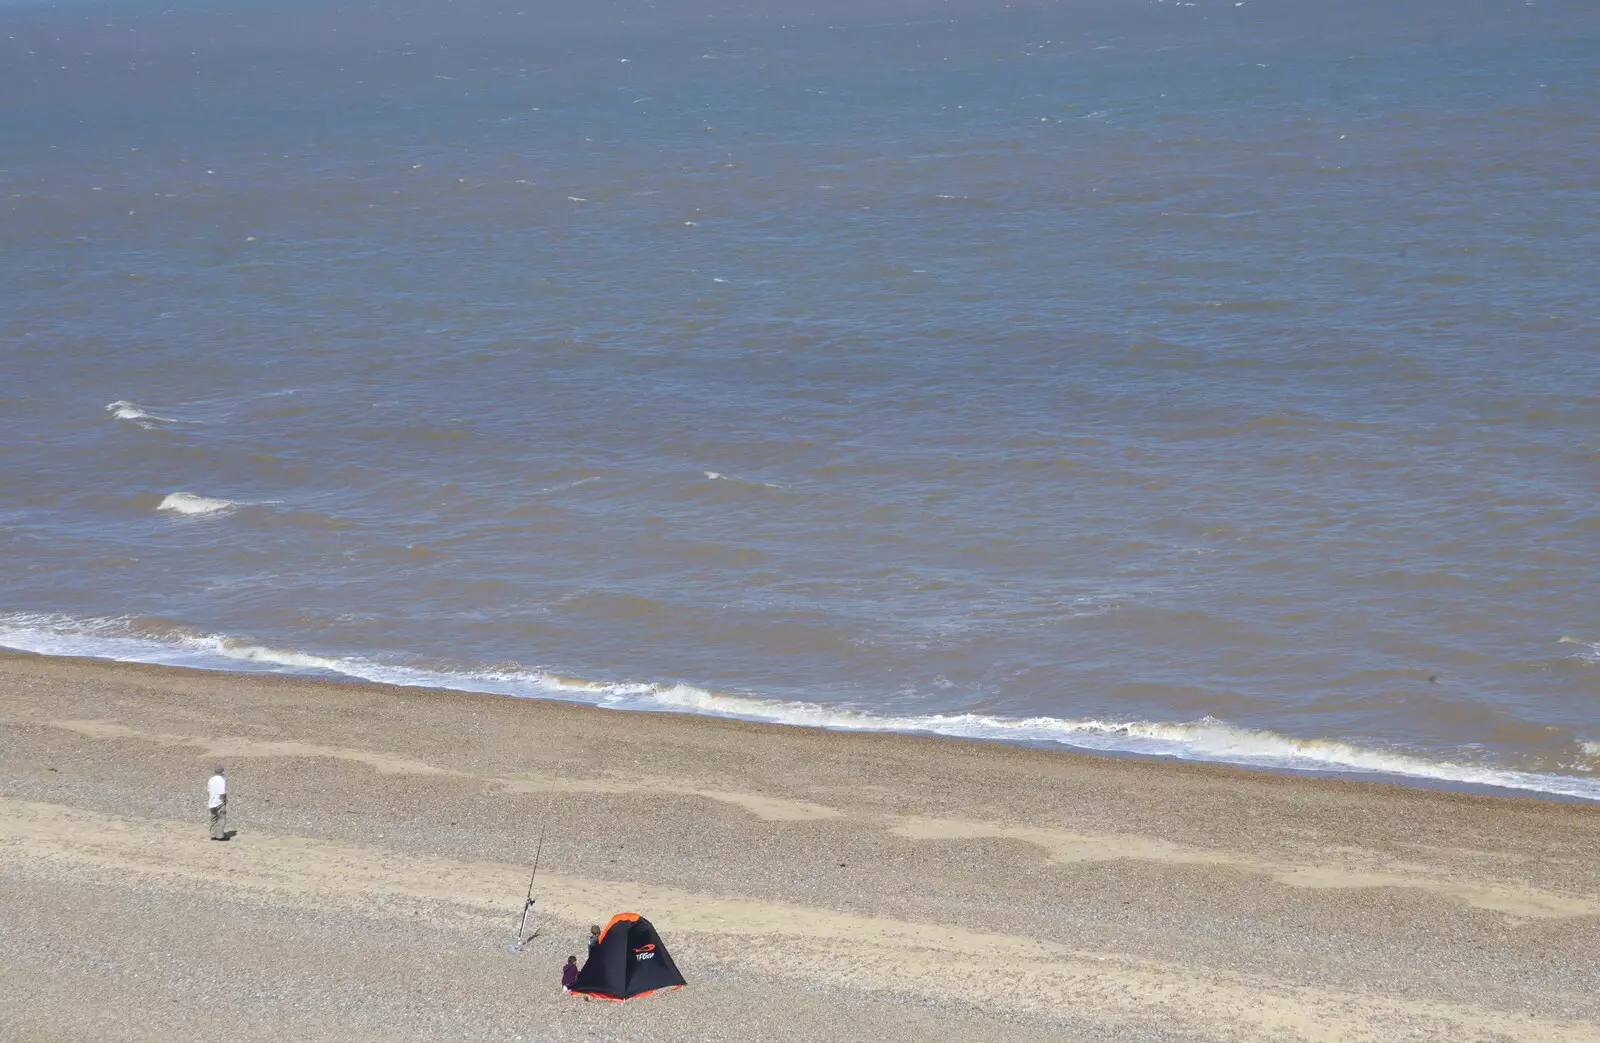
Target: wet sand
[811,885]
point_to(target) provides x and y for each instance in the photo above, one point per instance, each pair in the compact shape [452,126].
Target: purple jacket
[569,974]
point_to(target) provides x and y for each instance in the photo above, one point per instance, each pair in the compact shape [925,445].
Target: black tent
[628,961]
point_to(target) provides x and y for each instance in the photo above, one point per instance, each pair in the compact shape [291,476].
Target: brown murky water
[1196,380]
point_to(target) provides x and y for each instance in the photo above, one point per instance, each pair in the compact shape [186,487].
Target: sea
[1212,380]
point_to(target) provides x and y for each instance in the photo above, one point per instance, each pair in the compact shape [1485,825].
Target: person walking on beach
[217,787]
[569,974]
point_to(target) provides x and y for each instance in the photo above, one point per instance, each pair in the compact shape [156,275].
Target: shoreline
[1327,775]
[1333,773]
[811,885]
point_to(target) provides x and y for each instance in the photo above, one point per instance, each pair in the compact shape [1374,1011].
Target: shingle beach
[811,885]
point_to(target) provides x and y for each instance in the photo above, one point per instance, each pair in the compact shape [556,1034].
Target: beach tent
[628,961]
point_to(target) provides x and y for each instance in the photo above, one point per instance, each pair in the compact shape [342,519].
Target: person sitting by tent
[627,960]
[569,973]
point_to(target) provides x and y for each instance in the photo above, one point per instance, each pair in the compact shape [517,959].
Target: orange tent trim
[623,999]
[619,918]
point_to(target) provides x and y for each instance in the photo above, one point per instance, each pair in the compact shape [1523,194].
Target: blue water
[1197,380]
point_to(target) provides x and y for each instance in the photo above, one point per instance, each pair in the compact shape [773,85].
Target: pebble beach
[811,885]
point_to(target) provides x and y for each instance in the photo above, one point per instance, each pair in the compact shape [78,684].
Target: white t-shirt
[218,786]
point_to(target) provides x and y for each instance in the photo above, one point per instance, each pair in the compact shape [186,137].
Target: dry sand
[811,885]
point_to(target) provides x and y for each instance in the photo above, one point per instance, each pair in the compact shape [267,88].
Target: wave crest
[122,409]
[189,503]
[1591,649]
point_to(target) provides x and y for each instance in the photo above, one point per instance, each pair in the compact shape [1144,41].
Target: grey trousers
[219,822]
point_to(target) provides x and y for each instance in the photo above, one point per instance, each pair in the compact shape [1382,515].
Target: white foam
[189,503]
[717,476]
[1591,649]
[1208,739]
[122,639]
[132,411]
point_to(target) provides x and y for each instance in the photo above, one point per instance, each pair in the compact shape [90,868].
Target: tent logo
[647,951]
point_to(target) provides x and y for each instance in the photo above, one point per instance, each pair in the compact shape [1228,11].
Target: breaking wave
[1591,649]
[189,503]
[1591,756]
[1208,739]
[132,411]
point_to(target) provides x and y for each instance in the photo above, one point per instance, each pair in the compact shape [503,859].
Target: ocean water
[1211,380]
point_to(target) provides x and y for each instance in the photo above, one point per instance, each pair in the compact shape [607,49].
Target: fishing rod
[528,902]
